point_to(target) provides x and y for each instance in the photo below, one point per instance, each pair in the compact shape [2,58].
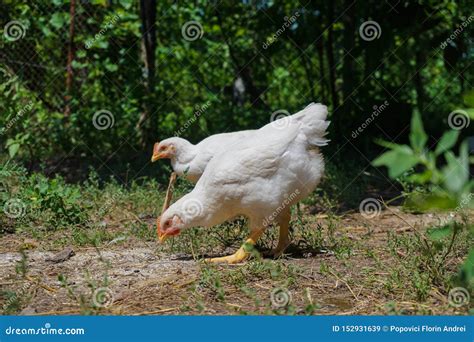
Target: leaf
[468,98]
[111,67]
[418,137]
[466,273]
[425,202]
[127,4]
[397,160]
[456,172]
[13,149]
[440,233]
[421,178]
[57,20]
[447,141]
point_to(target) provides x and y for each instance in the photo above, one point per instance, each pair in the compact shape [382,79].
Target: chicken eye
[167,223]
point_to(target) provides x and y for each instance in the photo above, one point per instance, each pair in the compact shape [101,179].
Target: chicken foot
[243,252]
[167,201]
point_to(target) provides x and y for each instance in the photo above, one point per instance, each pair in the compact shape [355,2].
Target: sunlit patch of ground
[343,265]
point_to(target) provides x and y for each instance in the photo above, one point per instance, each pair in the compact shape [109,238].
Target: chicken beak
[162,237]
[157,155]
[159,233]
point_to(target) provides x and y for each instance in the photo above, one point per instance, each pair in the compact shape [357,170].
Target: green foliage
[439,187]
[52,197]
[419,166]
[109,72]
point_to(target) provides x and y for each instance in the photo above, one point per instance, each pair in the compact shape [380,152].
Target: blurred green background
[155,69]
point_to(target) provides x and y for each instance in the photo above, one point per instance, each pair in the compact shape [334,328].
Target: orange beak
[164,235]
[156,154]
[161,235]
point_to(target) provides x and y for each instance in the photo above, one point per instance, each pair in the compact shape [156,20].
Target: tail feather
[314,124]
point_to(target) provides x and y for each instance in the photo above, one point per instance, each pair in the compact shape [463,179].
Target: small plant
[56,200]
[418,168]
[430,184]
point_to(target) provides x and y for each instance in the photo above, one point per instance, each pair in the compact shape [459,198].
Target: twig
[154,312]
[46,287]
[345,283]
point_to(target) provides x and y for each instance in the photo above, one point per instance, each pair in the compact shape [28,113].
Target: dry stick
[168,196]
[49,313]
[154,312]
[345,283]
[169,193]
[46,287]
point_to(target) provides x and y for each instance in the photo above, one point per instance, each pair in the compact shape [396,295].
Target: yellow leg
[283,239]
[243,252]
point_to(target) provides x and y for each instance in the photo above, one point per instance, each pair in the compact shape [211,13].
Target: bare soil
[139,278]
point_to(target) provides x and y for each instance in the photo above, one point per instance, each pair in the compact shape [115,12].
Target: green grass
[104,214]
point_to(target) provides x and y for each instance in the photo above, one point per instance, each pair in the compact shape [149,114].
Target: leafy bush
[430,184]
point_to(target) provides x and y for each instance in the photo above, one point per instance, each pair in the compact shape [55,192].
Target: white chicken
[190,160]
[261,177]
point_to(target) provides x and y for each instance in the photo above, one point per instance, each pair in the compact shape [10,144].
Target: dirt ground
[135,277]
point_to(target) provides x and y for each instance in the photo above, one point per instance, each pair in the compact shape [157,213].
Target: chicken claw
[242,253]
[237,257]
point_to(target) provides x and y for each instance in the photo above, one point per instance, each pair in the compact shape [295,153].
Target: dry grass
[336,265]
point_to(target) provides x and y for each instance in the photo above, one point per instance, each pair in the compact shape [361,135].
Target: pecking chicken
[261,177]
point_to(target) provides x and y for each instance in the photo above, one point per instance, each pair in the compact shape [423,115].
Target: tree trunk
[147,123]
[420,92]
[322,77]
[309,74]
[242,71]
[70,58]
[348,44]
[330,55]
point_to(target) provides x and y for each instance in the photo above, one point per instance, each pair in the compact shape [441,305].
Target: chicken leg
[283,239]
[243,252]
[167,201]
